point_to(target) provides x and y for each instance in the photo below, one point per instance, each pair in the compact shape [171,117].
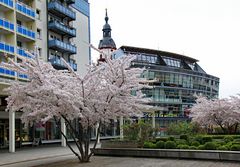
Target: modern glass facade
[175,80]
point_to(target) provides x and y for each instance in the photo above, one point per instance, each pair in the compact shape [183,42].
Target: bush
[181,142]
[206,139]
[170,145]
[199,139]
[236,140]
[193,147]
[185,137]
[160,144]
[235,147]
[228,139]
[147,144]
[182,128]
[171,138]
[201,147]
[195,143]
[222,148]
[183,146]
[162,139]
[210,146]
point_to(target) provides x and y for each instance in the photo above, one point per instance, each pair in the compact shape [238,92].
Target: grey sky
[208,30]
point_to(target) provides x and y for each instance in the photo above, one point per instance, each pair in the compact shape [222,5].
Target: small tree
[104,93]
[217,112]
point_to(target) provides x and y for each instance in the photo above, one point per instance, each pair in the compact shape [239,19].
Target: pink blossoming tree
[223,113]
[107,91]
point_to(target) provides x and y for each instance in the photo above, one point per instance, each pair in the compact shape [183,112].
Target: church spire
[107,42]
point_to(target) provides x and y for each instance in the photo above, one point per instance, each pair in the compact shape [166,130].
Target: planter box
[119,144]
[170,153]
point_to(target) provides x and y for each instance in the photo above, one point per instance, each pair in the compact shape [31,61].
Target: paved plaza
[57,156]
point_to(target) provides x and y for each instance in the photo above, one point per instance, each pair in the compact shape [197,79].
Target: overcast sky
[208,30]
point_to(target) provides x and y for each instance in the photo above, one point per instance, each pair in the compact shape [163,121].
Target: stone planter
[119,144]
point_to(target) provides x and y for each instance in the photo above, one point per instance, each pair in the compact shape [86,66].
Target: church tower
[106,44]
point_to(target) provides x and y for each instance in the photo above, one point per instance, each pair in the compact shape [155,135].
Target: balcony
[22,52]
[22,76]
[58,64]
[6,48]
[26,12]
[60,28]
[62,46]
[6,3]
[6,26]
[6,72]
[69,2]
[29,34]
[62,11]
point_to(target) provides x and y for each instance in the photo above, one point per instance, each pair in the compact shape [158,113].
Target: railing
[6,24]
[7,2]
[27,10]
[62,27]
[54,5]
[26,32]
[6,71]
[23,76]
[63,46]
[22,52]
[59,62]
[6,47]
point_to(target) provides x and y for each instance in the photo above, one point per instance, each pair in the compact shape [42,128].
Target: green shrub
[222,148]
[185,137]
[181,142]
[171,138]
[147,144]
[183,146]
[193,147]
[162,139]
[236,140]
[170,145]
[195,143]
[235,147]
[228,139]
[199,139]
[201,147]
[210,146]
[220,142]
[229,145]
[160,144]
[206,139]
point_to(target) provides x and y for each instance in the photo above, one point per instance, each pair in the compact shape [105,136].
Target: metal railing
[6,24]
[27,10]
[7,2]
[25,31]
[6,47]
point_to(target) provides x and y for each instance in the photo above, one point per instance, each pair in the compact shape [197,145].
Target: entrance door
[1,135]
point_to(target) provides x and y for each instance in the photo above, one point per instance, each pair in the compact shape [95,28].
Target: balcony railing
[7,72]
[59,64]
[27,10]
[26,32]
[6,24]
[7,2]
[61,28]
[61,10]
[6,47]
[22,52]
[22,76]
[62,46]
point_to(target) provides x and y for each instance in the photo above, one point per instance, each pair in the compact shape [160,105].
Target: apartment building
[52,29]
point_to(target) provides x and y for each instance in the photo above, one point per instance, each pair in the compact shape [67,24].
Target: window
[40,52]
[38,14]
[19,22]
[39,35]
[19,44]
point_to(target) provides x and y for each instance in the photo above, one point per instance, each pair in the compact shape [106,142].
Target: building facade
[175,80]
[53,29]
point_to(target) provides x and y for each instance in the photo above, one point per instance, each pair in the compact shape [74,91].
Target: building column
[153,120]
[98,140]
[121,128]
[11,131]
[115,127]
[63,129]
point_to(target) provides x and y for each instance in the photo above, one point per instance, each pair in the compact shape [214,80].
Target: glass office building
[176,79]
